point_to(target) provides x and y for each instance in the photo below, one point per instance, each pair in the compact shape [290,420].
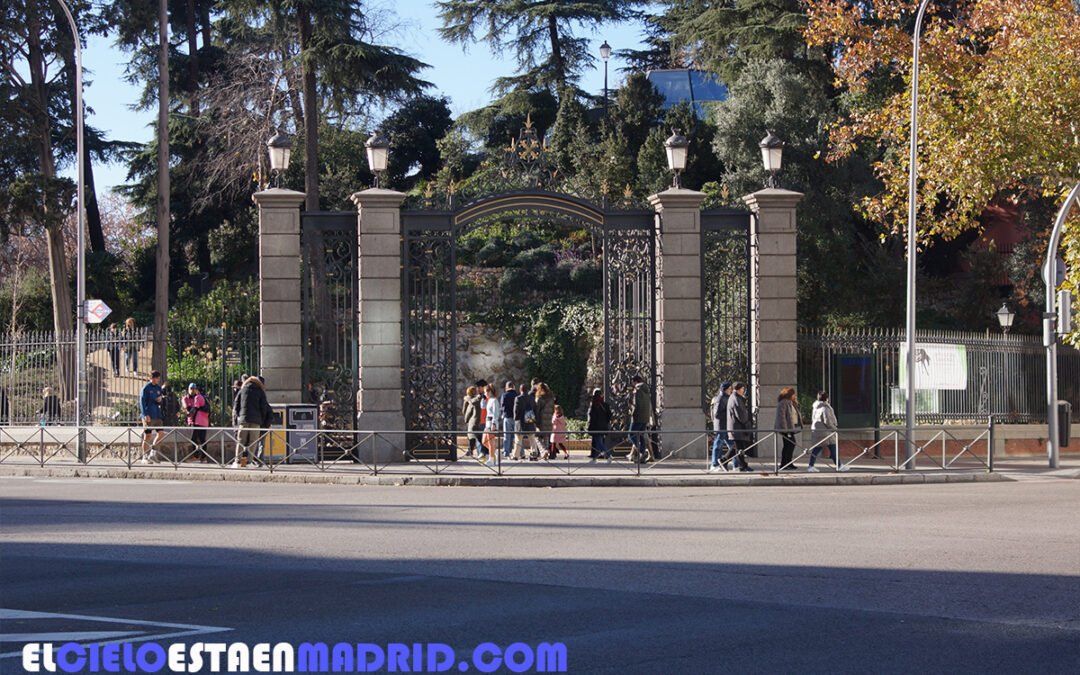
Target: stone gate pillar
[379,399]
[678,320]
[773,285]
[280,352]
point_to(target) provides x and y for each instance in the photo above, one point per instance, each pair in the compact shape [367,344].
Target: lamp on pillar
[1005,317]
[772,154]
[677,148]
[605,54]
[378,155]
[280,149]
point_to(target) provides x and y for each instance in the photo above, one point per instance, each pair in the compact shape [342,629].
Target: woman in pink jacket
[197,411]
[558,434]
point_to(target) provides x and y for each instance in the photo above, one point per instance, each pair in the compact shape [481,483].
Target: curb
[757,480]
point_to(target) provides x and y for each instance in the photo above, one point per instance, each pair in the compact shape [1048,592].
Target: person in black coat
[253,414]
[598,425]
[718,412]
[739,424]
[524,422]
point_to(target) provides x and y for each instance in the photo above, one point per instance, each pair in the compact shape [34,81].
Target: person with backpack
[197,410]
[470,412]
[170,406]
[720,444]
[524,422]
[252,414]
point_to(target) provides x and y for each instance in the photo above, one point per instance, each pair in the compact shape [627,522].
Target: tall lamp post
[605,54]
[378,155]
[80,278]
[1051,327]
[912,232]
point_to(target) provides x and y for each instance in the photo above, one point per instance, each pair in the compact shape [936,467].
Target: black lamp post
[378,155]
[772,154]
[605,54]
[1005,317]
[676,147]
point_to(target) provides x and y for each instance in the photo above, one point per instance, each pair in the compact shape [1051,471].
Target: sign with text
[937,366]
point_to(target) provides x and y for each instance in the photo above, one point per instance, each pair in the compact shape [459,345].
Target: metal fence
[386,453]
[35,365]
[1005,374]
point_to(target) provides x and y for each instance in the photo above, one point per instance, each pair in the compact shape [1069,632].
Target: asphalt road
[937,578]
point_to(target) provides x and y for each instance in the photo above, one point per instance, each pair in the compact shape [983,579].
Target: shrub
[543,256]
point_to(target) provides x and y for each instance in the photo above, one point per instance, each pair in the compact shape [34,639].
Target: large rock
[490,354]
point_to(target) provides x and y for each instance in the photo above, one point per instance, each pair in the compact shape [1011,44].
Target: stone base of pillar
[684,433]
[388,445]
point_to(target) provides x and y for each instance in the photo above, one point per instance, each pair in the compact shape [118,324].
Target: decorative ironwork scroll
[329,329]
[725,285]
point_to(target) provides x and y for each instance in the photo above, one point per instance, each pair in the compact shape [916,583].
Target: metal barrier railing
[447,452]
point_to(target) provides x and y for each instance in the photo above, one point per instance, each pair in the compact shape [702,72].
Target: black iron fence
[39,364]
[977,374]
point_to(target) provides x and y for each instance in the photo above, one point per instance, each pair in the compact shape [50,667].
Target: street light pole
[1050,328]
[909,446]
[80,283]
[605,54]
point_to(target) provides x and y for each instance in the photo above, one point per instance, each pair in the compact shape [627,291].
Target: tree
[538,34]
[723,36]
[414,130]
[999,90]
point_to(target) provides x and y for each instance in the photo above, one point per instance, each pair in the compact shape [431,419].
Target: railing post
[990,446]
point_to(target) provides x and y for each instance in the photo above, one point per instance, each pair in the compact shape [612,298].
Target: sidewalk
[573,473]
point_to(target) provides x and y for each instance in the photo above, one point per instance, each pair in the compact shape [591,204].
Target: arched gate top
[533,200]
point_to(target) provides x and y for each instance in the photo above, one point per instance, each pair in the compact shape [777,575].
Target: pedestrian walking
[170,406]
[524,422]
[506,404]
[131,347]
[492,420]
[112,346]
[544,409]
[150,412]
[822,426]
[470,414]
[252,416]
[642,417]
[739,424]
[558,434]
[718,411]
[788,422]
[197,411]
[598,424]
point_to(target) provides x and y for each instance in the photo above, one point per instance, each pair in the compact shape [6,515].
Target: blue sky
[464,77]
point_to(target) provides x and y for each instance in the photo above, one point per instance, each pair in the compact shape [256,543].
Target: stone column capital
[677,198]
[772,198]
[377,198]
[278,198]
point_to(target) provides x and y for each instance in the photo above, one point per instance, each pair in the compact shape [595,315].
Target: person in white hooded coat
[822,425]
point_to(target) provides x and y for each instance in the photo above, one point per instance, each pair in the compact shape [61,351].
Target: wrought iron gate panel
[629,314]
[328,309]
[725,287]
[430,332]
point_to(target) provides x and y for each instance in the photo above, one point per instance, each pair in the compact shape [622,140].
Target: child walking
[558,434]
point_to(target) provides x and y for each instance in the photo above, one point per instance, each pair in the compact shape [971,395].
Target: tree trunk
[193,55]
[63,322]
[204,19]
[161,277]
[311,115]
[556,55]
[93,211]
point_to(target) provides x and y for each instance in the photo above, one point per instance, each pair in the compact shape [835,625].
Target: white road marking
[176,630]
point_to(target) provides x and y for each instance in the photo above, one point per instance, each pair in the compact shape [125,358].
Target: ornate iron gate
[725,298]
[430,300]
[329,319]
